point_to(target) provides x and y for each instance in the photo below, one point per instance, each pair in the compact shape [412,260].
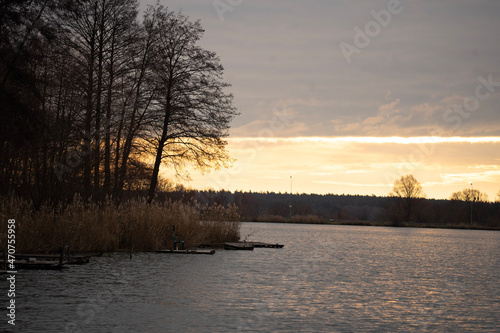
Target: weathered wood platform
[238,246]
[45,261]
[196,251]
[266,245]
[242,245]
[72,260]
[38,264]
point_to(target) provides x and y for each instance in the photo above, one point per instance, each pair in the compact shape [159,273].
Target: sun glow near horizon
[373,139]
[362,165]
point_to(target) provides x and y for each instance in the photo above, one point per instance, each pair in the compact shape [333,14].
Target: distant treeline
[326,208]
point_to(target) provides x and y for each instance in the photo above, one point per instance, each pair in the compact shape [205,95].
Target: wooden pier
[45,261]
[71,260]
[266,245]
[32,263]
[241,245]
[238,246]
[195,251]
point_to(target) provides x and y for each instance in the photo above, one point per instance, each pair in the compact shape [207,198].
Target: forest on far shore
[340,208]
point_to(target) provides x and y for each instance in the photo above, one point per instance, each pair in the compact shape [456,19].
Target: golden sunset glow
[367,139]
[413,99]
[358,165]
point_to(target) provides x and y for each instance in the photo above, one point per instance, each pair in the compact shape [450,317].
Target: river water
[325,279]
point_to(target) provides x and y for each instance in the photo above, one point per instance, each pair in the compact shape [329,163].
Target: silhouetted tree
[469,205]
[193,111]
[406,190]
[27,33]
[470,195]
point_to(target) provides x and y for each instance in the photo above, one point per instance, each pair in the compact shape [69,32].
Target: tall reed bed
[91,227]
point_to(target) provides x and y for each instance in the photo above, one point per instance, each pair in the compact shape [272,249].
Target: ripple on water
[325,279]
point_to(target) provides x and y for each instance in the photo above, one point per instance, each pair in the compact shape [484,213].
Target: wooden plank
[242,245]
[211,245]
[266,245]
[196,251]
[238,246]
[38,264]
[73,259]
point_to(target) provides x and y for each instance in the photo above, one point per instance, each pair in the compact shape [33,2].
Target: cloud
[425,110]
[328,182]
[279,125]
[447,116]
[359,165]
[468,177]
[286,54]
[388,94]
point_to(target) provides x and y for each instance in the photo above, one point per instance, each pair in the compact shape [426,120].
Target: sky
[346,96]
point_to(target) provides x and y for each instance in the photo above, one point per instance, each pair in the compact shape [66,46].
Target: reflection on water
[326,279]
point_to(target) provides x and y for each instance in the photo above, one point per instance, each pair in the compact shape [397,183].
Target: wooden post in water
[4,236]
[61,255]
[173,238]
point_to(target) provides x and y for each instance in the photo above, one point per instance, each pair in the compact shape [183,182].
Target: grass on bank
[91,227]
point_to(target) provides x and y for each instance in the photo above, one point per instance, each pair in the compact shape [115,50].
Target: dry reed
[91,227]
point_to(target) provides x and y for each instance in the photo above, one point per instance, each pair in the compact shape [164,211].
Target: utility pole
[290,197]
[471,201]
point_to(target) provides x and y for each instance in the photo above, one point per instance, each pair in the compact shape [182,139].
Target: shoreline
[387,224]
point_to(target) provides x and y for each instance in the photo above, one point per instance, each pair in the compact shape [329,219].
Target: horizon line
[373,139]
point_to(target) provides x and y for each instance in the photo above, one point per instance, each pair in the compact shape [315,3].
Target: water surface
[325,279]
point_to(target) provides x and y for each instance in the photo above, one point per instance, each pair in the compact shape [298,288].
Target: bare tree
[123,35]
[27,32]
[469,195]
[108,94]
[470,205]
[192,110]
[100,34]
[407,190]
[137,97]
[82,26]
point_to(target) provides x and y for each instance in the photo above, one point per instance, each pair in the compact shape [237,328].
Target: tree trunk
[107,146]
[88,127]
[161,143]
[117,188]
[97,147]
[156,171]
[134,125]
[88,114]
